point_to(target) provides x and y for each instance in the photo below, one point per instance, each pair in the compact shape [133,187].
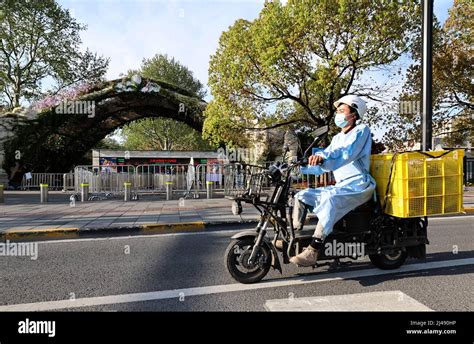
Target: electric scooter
[366,230]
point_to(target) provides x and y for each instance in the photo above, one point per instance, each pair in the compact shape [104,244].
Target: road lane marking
[377,301]
[226,288]
[450,218]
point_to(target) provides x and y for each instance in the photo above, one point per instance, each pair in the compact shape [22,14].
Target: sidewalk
[22,214]
[469,198]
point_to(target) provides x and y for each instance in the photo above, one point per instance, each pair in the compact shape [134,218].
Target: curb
[61,233]
[152,228]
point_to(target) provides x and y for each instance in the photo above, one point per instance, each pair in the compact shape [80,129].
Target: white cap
[353,101]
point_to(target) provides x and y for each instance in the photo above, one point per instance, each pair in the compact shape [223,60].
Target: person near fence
[16,176]
[348,156]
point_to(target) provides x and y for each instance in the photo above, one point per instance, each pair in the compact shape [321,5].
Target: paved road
[185,272]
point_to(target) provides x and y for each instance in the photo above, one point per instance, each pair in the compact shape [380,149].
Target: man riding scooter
[348,156]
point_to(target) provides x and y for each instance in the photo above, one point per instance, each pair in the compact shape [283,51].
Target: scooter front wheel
[237,260]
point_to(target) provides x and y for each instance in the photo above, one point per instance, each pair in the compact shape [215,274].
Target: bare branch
[273,126]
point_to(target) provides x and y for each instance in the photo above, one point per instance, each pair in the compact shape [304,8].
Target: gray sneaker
[308,257]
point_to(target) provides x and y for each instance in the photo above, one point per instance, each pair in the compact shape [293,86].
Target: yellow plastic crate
[420,185]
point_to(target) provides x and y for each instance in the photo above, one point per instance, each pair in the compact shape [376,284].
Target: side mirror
[320,131]
[318,134]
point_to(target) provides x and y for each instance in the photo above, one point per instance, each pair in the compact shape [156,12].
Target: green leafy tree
[164,133]
[39,39]
[453,85]
[454,77]
[291,63]
[168,69]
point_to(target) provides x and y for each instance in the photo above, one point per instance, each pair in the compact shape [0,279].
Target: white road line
[377,301]
[469,217]
[225,288]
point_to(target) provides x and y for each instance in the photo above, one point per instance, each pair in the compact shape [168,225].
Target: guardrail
[150,179]
[68,182]
[155,179]
[468,170]
[31,181]
[109,178]
[214,173]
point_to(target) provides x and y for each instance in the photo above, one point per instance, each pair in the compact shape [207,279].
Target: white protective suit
[348,156]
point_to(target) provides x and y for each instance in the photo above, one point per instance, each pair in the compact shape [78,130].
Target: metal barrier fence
[68,182]
[468,170]
[109,179]
[184,178]
[214,173]
[54,180]
[154,178]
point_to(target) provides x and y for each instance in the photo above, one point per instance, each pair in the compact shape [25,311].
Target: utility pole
[427,84]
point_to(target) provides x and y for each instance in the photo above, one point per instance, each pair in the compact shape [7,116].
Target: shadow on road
[373,280]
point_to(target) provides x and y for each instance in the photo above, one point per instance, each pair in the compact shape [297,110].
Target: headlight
[274,173]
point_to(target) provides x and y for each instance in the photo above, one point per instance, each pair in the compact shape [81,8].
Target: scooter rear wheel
[237,255]
[389,261]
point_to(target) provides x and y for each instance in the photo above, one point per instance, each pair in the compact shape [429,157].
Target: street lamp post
[427,84]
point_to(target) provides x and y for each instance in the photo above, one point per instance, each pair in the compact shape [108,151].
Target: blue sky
[126,31]
[129,30]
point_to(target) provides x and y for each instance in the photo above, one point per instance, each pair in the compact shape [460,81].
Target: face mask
[340,120]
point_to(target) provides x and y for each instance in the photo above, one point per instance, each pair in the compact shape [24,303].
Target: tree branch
[272,126]
[259,97]
[467,104]
[351,80]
